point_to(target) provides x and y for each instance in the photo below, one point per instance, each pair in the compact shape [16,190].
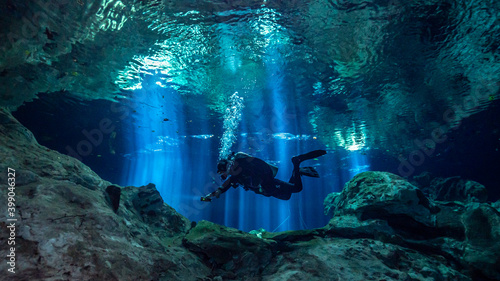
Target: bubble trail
[232,118]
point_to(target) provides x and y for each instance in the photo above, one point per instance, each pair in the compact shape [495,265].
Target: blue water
[163,142]
[157,94]
[182,165]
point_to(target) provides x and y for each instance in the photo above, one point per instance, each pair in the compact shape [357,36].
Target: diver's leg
[310,155]
[296,180]
[309,172]
[282,190]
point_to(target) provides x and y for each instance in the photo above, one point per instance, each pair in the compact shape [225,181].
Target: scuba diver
[258,176]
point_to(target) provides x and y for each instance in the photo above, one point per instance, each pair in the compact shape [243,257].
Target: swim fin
[309,172]
[310,155]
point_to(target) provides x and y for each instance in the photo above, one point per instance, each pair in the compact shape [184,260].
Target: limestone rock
[422,180]
[356,259]
[380,195]
[331,202]
[451,189]
[146,204]
[113,194]
[385,207]
[230,250]
[67,230]
[31,161]
[496,205]
[482,229]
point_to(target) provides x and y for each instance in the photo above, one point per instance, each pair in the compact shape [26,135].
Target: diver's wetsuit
[257,175]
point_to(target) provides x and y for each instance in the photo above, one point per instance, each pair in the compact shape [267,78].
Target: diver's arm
[225,186]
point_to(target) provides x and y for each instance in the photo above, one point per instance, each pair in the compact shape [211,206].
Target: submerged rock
[451,189]
[230,250]
[357,259]
[113,194]
[374,190]
[66,229]
[33,162]
[482,247]
[385,207]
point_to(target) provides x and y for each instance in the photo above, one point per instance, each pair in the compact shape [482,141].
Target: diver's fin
[309,171]
[310,155]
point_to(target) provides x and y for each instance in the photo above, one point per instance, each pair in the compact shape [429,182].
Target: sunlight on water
[358,163]
[157,144]
[110,15]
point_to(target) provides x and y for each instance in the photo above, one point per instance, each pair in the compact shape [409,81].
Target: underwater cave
[115,115]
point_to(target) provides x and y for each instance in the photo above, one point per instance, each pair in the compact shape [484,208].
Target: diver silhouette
[258,176]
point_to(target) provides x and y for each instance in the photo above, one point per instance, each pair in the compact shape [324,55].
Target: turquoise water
[158,92]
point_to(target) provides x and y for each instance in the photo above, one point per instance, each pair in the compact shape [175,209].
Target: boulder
[451,189]
[385,207]
[146,203]
[381,195]
[482,230]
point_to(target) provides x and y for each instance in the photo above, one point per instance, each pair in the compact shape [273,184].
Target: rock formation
[67,229]
[386,207]
[72,225]
[451,189]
